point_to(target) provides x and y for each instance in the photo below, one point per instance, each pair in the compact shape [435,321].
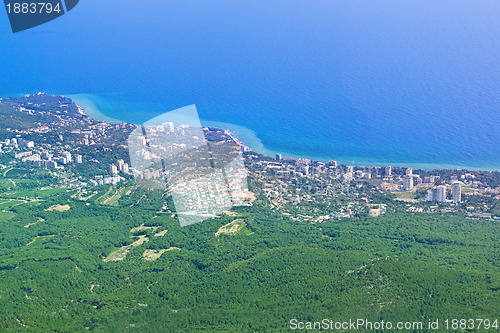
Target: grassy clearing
[406,196]
[152,255]
[113,200]
[122,252]
[59,208]
[34,193]
[5,216]
[8,204]
[231,228]
[161,233]
[142,227]
[7,183]
[112,196]
[129,190]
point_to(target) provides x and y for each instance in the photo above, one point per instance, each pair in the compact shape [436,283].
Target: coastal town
[52,133]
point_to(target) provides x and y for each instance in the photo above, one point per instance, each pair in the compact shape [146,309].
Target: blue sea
[399,82]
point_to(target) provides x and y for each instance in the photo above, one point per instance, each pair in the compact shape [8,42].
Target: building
[278,157]
[457,192]
[79,159]
[169,126]
[436,194]
[121,163]
[408,183]
[388,171]
[332,163]
[67,156]
[348,176]
[26,143]
[350,169]
[61,160]
[125,168]
[114,169]
[440,193]
[431,195]
[409,172]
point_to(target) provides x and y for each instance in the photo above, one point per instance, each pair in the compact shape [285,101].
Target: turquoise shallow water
[91,103]
[388,82]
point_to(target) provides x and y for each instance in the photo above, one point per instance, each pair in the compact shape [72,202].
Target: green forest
[71,262]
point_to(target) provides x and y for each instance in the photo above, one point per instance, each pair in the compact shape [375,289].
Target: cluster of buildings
[15,143]
[310,191]
[29,153]
[105,180]
[411,181]
[438,194]
[120,166]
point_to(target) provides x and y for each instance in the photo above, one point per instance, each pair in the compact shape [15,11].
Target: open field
[45,193]
[5,216]
[121,253]
[161,233]
[8,204]
[114,194]
[152,255]
[59,208]
[142,227]
[405,196]
[231,228]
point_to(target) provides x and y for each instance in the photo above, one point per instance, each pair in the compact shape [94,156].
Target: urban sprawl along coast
[43,132]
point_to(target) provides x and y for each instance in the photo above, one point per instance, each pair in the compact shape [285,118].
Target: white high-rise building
[169,126]
[278,157]
[114,169]
[26,143]
[79,159]
[388,170]
[67,156]
[408,183]
[409,171]
[125,168]
[457,192]
[431,194]
[120,165]
[441,193]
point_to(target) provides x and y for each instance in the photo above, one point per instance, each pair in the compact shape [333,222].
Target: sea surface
[362,82]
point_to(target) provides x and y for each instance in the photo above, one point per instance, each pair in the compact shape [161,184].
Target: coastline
[86,103]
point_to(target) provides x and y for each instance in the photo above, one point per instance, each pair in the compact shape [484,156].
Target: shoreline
[249,138]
